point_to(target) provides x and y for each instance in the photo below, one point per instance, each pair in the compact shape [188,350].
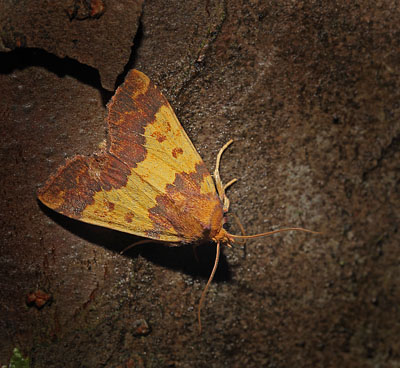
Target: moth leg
[243,241]
[196,256]
[218,182]
[134,244]
[226,199]
[144,241]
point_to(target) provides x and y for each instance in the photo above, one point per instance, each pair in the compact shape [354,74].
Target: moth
[148,180]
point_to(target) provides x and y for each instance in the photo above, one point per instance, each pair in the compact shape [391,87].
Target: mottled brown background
[310,93]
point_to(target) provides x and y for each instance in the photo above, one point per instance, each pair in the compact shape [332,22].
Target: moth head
[223,237]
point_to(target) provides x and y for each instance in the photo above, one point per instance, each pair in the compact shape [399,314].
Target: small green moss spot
[18,361]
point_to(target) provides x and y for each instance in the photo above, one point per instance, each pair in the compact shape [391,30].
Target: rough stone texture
[98,33]
[310,93]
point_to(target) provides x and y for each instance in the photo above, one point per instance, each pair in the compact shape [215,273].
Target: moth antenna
[274,232]
[203,294]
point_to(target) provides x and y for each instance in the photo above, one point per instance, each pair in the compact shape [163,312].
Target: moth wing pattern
[149,180]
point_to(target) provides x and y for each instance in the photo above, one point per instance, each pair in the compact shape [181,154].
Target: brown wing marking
[133,107]
[74,185]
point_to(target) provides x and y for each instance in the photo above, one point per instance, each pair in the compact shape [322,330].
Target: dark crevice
[137,41]
[20,59]
[23,58]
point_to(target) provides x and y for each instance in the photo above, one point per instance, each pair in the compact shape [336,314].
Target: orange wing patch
[149,180]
